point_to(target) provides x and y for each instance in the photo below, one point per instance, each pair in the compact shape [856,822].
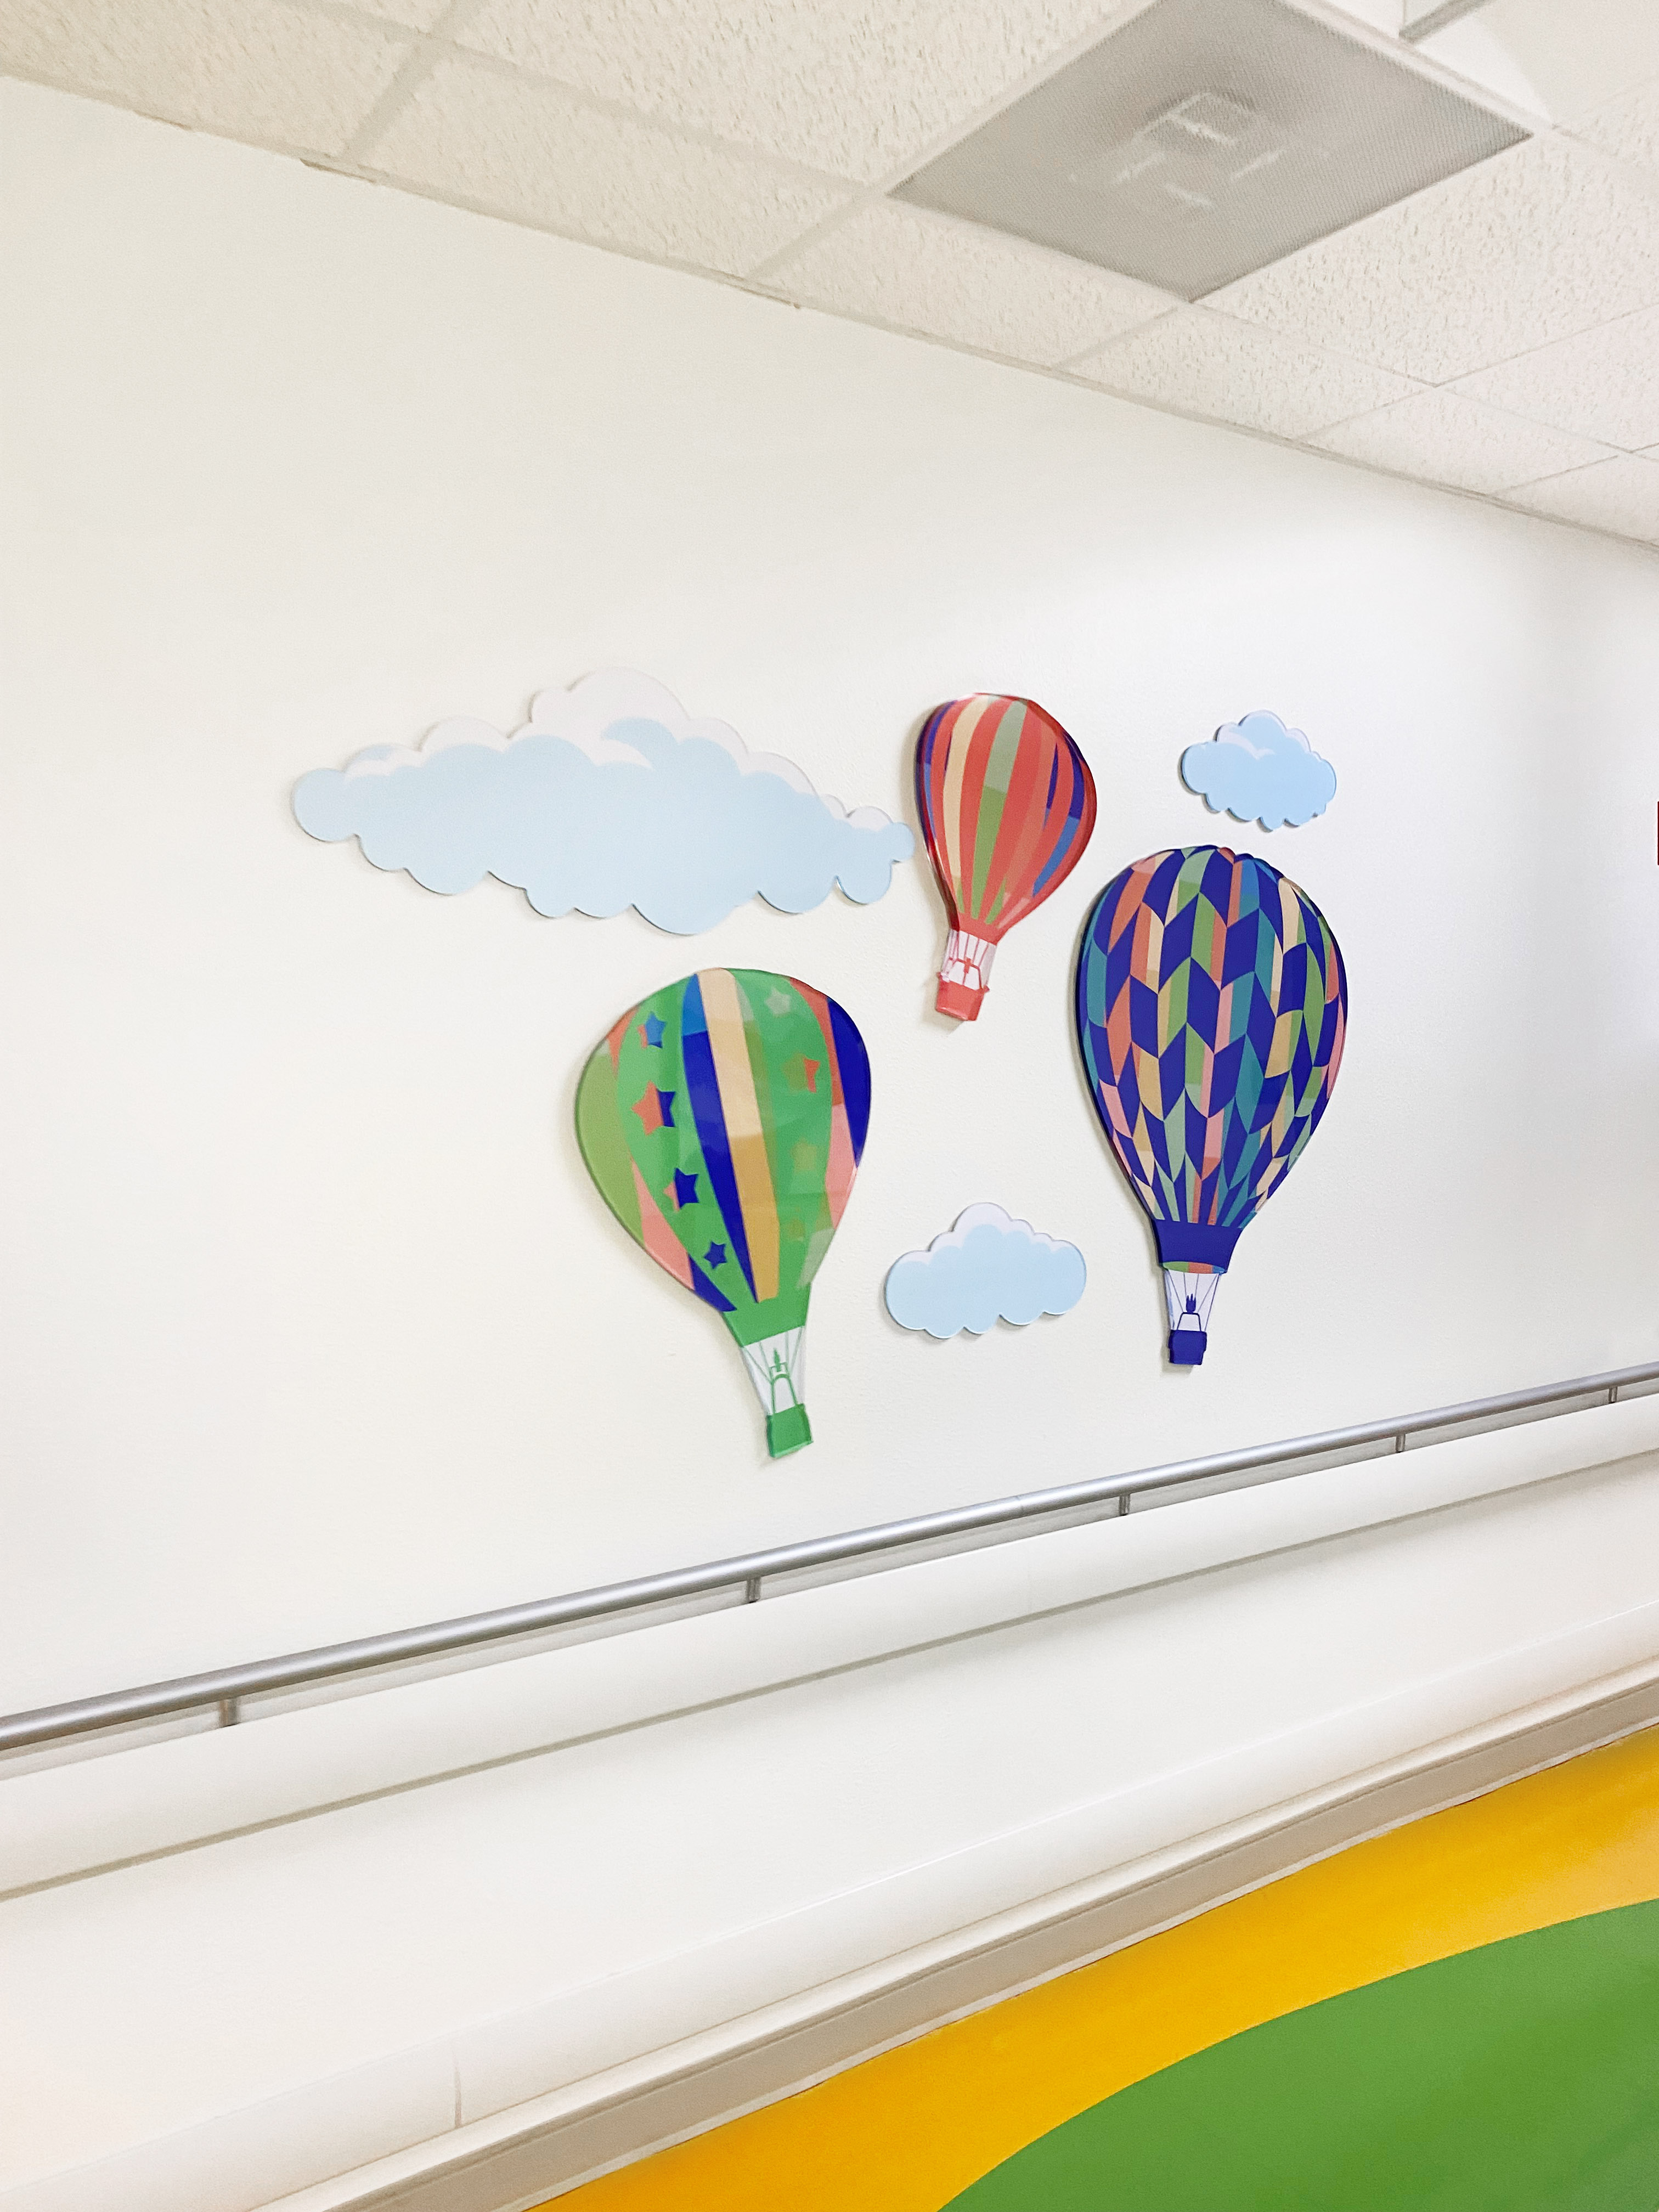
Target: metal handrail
[225,1687]
[1429,18]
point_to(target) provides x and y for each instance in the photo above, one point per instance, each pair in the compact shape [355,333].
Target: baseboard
[518,2158]
[391,2126]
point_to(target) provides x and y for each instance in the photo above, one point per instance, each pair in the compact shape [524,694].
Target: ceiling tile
[1524,249]
[1447,439]
[1627,127]
[250,68]
[418,14]
[1206,364]
[950,280]
[1603,384]
[859,88]
[541,155]
[1621,496]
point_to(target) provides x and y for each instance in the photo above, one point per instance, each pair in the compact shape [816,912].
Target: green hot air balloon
[723,1119]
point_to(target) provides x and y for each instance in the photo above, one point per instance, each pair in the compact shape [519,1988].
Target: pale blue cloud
[1257,771]
[611,796]
[989,1267]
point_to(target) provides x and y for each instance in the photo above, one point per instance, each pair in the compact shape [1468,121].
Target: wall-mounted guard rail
[742,1579]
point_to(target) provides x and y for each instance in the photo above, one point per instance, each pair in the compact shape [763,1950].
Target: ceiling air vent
[1205,139]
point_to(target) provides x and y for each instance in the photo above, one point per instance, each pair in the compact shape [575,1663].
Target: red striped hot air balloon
[1007,804]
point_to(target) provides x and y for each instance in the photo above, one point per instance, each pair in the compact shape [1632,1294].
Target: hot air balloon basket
[960,1001]
[1187,1347]
[787,1431]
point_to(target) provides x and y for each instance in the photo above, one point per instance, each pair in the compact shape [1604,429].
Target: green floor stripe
[1520,2077]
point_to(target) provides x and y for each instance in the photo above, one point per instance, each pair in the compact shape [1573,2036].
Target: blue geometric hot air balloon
[1211,1007]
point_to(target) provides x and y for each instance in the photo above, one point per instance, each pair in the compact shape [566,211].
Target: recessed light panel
[1206,138]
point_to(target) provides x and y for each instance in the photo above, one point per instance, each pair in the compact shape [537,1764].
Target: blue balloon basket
[1187,1347]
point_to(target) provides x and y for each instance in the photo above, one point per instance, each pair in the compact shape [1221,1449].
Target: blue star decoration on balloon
[715,1256]
[651,1029]
[655,1109]
[685,1188]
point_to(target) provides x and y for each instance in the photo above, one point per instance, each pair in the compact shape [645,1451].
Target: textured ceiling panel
[1205,364]
[1456,441]
[977,288]
[1620,496]
[418,14]
[1603,384]
[859,88]
[249,69]
[1530,248]
[539,155]
[1627,127]
[1207,138]
[742,137]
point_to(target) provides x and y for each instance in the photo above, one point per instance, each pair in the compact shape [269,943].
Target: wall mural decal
[987,1267]
[723,1119]
[611,796]
[1211,1006]
[1258,770]
[1007,804]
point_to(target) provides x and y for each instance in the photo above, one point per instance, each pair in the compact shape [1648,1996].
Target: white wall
[310,1322]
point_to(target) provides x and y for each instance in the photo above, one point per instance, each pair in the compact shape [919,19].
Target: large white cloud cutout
[989,1267]
[611,796]
[1257,771]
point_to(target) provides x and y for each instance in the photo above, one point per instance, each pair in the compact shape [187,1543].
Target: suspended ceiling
[1497,331]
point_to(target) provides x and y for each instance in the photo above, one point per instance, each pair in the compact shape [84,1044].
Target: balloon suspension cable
[965,975]
[1189,1295]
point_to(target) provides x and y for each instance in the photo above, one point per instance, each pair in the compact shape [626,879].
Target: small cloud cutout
[611,796]
[1257,771]
[989,1267]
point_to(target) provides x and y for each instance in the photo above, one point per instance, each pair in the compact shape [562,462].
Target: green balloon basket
[787,1431]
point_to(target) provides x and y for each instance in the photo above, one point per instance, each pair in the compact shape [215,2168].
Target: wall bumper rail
[743,1579]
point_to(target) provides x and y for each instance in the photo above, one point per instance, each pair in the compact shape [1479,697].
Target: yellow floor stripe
[905,2132]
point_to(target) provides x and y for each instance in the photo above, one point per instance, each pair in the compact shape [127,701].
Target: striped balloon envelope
[1211,1006]
[1007,804]
[723,1119]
